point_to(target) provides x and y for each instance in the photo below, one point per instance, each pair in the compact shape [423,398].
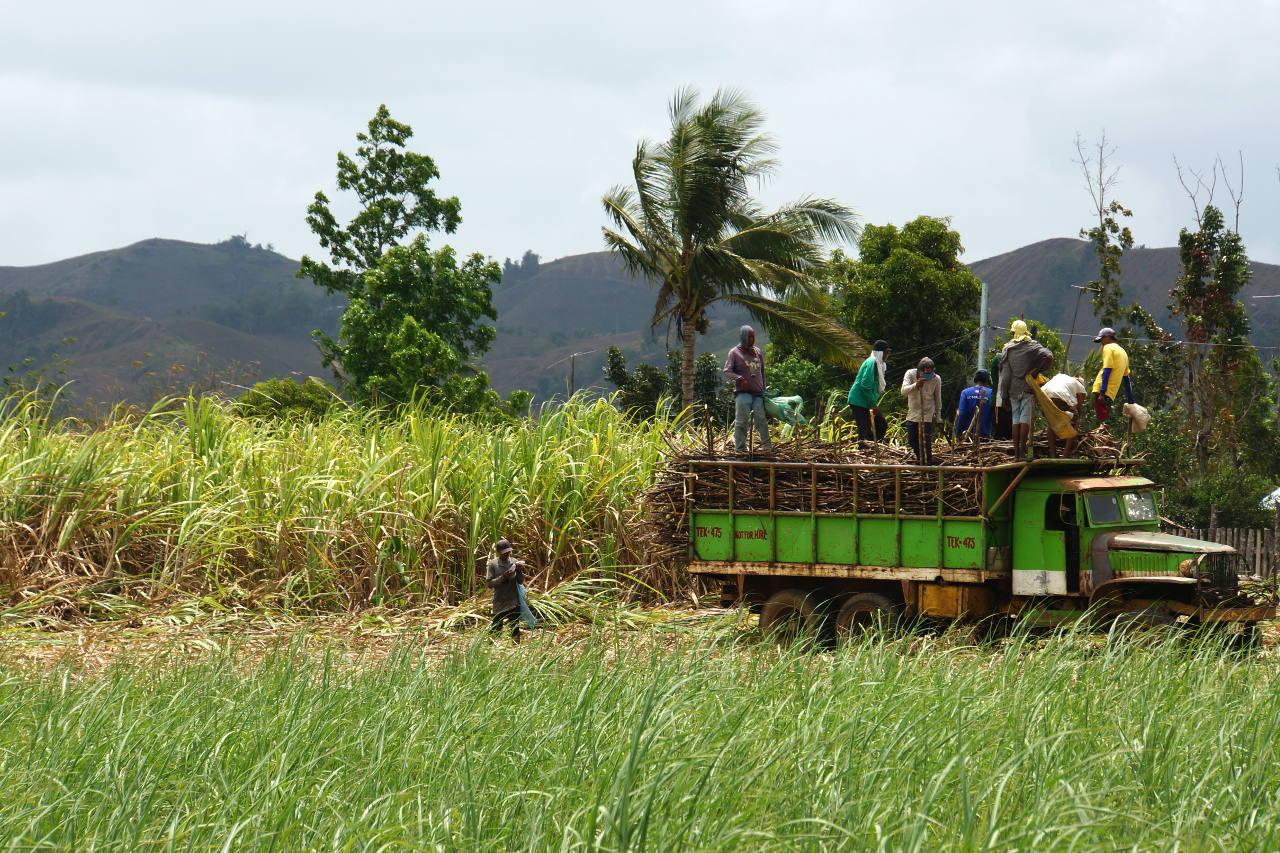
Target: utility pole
[572,358]
[982,326]
[1076,315]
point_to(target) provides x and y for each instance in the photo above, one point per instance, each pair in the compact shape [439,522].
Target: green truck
[831,548]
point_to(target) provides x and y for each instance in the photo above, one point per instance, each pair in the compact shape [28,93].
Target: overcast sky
[129,120]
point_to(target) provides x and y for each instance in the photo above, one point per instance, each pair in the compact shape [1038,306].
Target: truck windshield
[1104,508]
[1139,506]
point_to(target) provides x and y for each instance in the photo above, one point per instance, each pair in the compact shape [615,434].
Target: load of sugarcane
[698,473]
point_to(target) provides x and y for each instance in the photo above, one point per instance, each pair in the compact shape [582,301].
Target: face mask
[927,374]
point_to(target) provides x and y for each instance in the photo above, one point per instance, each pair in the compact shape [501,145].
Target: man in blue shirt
[976,400]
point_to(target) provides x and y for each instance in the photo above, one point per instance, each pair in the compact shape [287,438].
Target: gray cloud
[137,119]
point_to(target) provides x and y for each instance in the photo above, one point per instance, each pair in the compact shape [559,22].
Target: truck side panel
[839,540]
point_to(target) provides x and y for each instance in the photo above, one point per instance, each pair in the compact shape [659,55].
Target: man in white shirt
[1069,394]
[923,389]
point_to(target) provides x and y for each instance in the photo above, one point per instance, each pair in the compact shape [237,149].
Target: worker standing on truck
[1021,357]
[977,411]
[865,393]
[1067,393]
[505,576]
[1113,377]
[923,389]
[745,366]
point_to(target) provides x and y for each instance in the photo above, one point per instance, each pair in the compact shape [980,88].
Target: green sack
[785,409]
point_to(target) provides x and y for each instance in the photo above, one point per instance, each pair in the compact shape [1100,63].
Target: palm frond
[822,335]
[824,218]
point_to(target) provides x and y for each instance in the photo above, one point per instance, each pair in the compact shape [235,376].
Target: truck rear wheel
[862,612]
[790,613]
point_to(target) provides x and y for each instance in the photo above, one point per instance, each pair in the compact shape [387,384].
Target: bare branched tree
[1110,237]
[1201,185]
[1099,175]
[1236,192]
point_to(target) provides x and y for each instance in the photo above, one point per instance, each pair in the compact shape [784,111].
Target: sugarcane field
[736,428]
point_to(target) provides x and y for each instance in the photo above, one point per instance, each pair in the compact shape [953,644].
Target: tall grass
[888,745]
[354,510]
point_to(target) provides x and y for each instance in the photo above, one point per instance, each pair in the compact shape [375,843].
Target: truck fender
[1100,572]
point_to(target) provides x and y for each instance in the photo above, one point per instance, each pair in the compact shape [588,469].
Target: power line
[1063,334]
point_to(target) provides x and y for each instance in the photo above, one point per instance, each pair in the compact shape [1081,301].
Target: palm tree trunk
[687,332]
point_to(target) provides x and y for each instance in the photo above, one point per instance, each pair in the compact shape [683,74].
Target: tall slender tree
[691,225]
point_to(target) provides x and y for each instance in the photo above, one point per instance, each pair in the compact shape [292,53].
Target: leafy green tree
[527,268]
[1221,402]
[642,390]
[1215,269]
[691,225]
[416,317]
[909,287]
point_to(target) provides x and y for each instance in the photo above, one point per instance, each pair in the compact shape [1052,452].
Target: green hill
[148,318]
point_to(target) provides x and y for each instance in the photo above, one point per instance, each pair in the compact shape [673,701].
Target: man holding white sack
[1069,394]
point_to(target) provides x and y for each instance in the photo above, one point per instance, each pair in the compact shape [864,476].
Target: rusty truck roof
[1093,484]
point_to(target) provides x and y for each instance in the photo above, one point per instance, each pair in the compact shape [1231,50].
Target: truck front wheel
[790,613]
[862,612]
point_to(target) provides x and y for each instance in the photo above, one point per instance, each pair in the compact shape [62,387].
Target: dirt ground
[358,639]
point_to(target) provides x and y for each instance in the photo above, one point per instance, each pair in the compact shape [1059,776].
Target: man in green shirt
[865,393]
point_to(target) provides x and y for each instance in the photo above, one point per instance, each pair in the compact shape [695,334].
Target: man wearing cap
[865,394]
[745,366]
[923,389]
[1113,377]
[505,576]
[1021,357]
[977,411]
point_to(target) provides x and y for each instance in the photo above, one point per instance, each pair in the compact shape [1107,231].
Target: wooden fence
[1259,546]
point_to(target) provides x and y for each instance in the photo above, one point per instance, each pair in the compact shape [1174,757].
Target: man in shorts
[1021,357]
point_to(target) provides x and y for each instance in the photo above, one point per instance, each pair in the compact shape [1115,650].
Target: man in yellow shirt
[1113,377]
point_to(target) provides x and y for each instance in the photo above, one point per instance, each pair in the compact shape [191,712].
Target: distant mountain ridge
[129,323]
[1037,280]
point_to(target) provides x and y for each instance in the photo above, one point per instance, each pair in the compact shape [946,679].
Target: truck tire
[862,612]
[789,614]
[1154,623]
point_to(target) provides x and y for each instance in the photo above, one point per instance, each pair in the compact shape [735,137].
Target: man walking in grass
[505,576]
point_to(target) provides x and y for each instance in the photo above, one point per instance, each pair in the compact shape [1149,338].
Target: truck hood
[1165,542]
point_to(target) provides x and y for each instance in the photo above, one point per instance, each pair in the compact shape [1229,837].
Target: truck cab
[1097,540]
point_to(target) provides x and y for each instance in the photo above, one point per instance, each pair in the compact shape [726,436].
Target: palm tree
[691,225]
